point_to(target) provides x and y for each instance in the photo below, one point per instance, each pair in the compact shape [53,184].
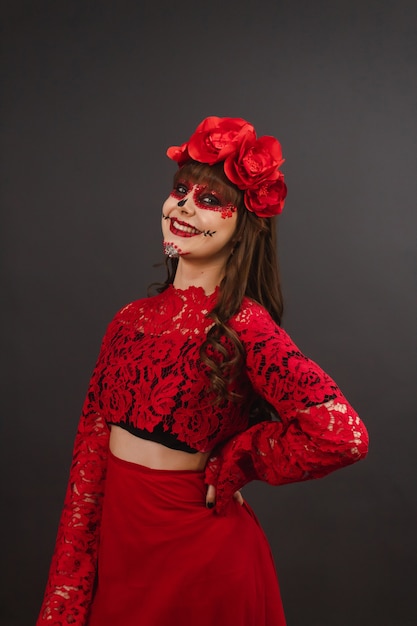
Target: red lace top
[149,374]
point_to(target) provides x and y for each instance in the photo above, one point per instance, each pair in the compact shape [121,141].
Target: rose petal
[215,138]
[268,198]
[178,153]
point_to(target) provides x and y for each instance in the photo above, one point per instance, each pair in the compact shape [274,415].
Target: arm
[317,431]
[73,568]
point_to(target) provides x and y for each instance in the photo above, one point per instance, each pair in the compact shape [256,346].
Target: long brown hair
[251,270]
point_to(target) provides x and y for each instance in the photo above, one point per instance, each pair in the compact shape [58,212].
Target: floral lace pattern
[149,373]
[152,374]
[73,568]
[326,437]
[317,430]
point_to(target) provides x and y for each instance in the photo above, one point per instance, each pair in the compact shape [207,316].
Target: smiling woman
[197,391]
[198,211]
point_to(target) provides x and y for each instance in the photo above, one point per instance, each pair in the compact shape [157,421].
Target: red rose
[255,162]
[179,153]
[267,199]
[217,137]
[249,163]
[213,140]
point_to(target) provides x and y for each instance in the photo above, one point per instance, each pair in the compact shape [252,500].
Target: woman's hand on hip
[211,497]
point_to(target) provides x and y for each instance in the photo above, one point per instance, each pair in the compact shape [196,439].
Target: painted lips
[181,229]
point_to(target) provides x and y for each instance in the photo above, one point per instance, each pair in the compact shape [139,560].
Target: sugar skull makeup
[198,223]
[203,197]
[171,250]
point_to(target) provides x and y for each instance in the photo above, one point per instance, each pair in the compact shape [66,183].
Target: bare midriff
[151,454]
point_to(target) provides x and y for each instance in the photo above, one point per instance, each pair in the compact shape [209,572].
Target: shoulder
[133,312]
[144,309]
[137,307]
[251,314]
[254,324]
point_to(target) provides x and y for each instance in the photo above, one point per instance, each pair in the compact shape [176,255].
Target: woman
[196,392]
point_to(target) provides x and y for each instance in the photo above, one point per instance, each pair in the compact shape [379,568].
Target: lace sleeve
[73,568]
[316,430]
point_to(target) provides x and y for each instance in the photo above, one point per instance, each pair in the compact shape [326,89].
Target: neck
[206,276]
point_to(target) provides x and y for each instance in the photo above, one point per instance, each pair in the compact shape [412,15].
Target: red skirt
[166,559]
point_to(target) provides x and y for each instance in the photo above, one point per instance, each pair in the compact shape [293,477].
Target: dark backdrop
[92,94]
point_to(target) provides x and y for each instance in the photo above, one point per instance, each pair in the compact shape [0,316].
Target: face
[198,223]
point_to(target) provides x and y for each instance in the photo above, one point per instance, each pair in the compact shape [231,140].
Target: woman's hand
[211,497]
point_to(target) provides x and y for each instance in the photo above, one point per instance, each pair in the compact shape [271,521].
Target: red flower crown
[249,163]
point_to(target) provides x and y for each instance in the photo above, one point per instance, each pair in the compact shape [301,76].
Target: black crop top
[159,435]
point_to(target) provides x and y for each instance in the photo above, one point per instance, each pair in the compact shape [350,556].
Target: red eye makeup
[204,198]
[181,189]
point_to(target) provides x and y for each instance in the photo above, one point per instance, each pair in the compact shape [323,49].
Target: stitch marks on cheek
[209,233]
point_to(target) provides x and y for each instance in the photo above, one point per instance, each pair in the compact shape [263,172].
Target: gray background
[93,93]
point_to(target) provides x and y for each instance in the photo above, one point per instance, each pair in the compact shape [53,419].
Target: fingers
[238,497]
[211,496]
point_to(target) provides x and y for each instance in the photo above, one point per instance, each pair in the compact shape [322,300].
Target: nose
[186,204]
